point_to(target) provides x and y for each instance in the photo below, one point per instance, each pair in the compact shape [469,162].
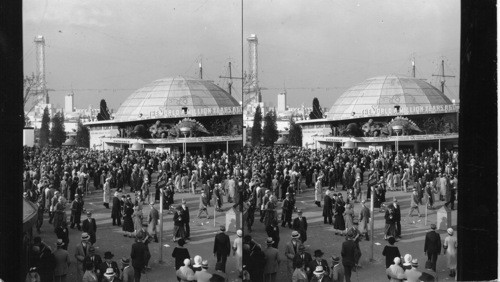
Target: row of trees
[269,134]
[56,135]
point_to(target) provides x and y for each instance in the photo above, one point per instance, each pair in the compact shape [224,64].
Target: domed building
[172,114]
[386,112]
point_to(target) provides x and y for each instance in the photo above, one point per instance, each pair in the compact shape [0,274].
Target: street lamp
[398,129]
[184,131]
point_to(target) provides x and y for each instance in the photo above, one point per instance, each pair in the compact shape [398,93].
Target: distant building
[282,102]
[69,103]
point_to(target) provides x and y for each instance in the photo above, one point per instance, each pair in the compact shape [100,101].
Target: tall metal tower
[40,69]
[252,93]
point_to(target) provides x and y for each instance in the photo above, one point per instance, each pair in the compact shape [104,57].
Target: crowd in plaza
[275,176]
[60,180]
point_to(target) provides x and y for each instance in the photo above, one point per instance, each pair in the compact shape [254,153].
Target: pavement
[321,236]
[110,238]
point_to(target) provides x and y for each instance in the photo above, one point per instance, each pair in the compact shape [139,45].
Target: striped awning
[177,97]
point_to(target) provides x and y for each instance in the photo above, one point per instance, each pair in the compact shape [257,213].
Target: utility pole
[372,219]
[413,67]
[230,83]
[201,71]
[443,80]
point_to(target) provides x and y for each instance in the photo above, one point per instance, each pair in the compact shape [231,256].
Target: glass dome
[389,95]
[177,97]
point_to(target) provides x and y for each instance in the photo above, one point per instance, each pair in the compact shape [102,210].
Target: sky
[109,49]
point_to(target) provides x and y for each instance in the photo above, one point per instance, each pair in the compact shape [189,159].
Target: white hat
[319,270]
[109,272]
[239,232]
[450,231]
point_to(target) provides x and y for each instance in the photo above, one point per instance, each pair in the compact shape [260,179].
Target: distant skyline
[108,49]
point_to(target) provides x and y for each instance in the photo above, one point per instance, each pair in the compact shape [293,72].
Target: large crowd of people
[60,179]
[262,182]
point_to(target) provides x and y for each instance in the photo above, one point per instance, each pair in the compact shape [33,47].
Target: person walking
[320,275]
[222,247]
[153,218]
[108,263]
[304,258]
[432,246]
[390,252]
[413,275]
[89,275]
[337,273]
[390,223]
[90,227]
[397,216]
[273,231]
[414,203]
[179,232]
[106,192]
[287,209]
[127,273]
[138,256]
[364,218]
[204,203]
[291,249]
[76,212]
[180,253]
[185,218]
[348,216]
[299,274]
[95,259]
[116,214]
[300,224]
[348,256]
[318,261]
[450,250]
[272,261]
[81,252]
[327,208]
[61,257]
[238,251]
[137,217]
[318,191]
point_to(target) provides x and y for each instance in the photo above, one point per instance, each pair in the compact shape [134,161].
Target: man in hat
[138,255]
[185,271]
[318,191]
[291,249]
[320,275]
[397,216]
[364,218]
[89,225]
[413,274]
[106,192]
[272,261]
[61,257]
[327,208]
[348,253]
[153,218]
[82,251]
[432,245]
[203,275]
[127,274]
[222,247]
[286,214]
[204,203]
[110,276]
[116,210]
[302,257]
[337,270]
[300,224]
[318,261]
[94,259]
[185,218]
[414,203]
[273,231]
[76,212]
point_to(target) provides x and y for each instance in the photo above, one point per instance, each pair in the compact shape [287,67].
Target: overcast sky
[108,49]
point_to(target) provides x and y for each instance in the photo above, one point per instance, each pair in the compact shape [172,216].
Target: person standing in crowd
[348,256]
[128,223]
[138,256]
[413,275]
[348,216]
[62,262]
[364,219]
[116,214]
[106,192]
[137,217]
[32,275]
[203,206]
[450,250]
[318,191]
[81,252]
[62,233]
[337,273]
[397,216]
[108,263]
[287,209]
[300,225]
[180,253]
[395,272]
[185,219]
[414,203]
[222,247]
[320,275]
[90,227]
[273,231]
[327,209]
[153,219]
[432,245]
[89,275]
[291,249]
[127,273]
[179,232]
[302,257]
[390,252]
[430,195]
[76,212]
[95,259]
[272,261]
[339,223]
[318,261]
[203,275]
[390,222]
[238,251]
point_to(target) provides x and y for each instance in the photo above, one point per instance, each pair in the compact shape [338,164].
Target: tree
[295,133]
[57,134]
[270,129]
[257,127]
[30,84]
[316,113]
[82,135]
[44,129]
[104,112]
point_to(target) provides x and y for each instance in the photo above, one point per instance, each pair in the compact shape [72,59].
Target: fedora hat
[269,241]
[109,272]
[295,234]
[125,261]
[108,255]
[85,236]
[335,259]
[60,243]
[414,262]
[319,270]
[318,253]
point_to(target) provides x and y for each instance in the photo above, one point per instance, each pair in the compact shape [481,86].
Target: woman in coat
[179,232]
[128,224]
[137,218]
[450,249]
[348,216]
[339,223]
[106,192]
[116,210]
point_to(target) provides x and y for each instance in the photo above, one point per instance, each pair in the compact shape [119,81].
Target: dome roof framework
[171,97]
[390,95]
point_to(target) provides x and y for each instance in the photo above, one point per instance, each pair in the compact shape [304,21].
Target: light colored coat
[272,260]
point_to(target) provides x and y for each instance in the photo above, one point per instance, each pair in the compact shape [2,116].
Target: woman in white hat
[450,249]
[106,192]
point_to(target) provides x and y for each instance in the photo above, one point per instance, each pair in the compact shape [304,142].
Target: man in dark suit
[116,210]
[89,226]
[185,218]
[432,245]
[222,247]
[153,218]
[397,216]
[302,257]
[138,256]
[287,209]
[93,259]
[272,261]
[108,263]
[318,261]
[348,255]
[300,224]
[327,209]
[273,231]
